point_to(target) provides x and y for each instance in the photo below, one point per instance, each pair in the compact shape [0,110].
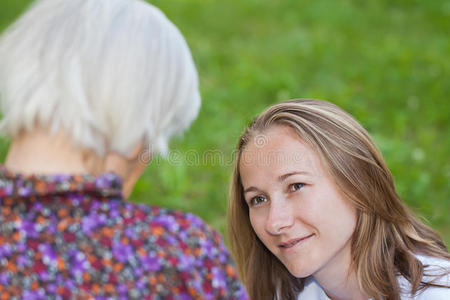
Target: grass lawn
[384,61]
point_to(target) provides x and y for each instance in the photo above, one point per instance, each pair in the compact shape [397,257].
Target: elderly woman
[88,89]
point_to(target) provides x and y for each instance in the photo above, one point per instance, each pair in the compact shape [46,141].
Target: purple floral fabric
[74,237]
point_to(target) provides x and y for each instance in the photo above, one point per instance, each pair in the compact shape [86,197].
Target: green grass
[385,62]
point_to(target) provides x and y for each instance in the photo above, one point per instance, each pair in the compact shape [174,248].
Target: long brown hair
[387,234]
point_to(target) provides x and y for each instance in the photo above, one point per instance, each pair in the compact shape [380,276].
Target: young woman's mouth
[292,242]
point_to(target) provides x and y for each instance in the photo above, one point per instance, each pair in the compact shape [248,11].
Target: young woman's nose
[280,217]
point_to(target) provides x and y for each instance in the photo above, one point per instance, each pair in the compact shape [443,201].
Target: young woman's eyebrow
[285,176]
[280,178]
[250,189]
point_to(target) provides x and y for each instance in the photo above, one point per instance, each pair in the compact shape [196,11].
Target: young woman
[313,213]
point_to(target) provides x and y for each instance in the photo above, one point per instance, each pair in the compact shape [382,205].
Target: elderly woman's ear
[129,167]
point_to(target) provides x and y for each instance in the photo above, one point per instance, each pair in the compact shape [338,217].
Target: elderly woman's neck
[41,152]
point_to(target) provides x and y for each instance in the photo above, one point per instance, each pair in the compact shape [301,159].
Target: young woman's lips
[293,242]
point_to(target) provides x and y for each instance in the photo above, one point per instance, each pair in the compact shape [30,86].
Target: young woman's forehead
[281,154]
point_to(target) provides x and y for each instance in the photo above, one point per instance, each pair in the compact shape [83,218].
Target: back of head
[110,73]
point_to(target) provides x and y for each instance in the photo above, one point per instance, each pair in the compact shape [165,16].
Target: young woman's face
[295,209]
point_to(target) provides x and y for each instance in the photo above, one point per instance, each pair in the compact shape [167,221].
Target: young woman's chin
[300,269]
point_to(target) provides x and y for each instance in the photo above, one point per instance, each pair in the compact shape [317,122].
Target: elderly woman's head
[111,75]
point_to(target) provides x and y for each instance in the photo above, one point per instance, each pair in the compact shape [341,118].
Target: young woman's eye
[295,187]
[257,200]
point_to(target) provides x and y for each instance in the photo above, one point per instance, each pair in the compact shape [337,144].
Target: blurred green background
[384,61]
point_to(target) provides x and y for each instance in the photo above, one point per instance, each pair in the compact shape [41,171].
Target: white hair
[111,73]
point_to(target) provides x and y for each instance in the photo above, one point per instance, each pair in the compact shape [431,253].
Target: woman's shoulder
[171,222]
[436,271]
[435,293]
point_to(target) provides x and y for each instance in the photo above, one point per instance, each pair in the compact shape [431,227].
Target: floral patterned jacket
[74,237]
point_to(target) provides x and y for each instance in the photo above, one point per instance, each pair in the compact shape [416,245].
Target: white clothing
[313,290]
